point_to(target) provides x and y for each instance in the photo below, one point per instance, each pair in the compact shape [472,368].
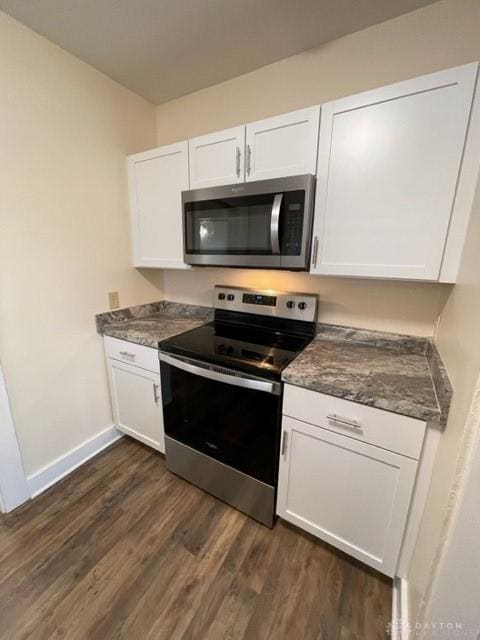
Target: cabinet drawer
[131,353]
[381,428]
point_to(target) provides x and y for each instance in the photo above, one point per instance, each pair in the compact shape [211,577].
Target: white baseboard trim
[400,629]
[61,467]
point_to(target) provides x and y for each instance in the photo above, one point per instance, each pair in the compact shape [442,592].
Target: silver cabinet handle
[155,393]
[284,443]
[249,159]
[220,374]
[237,161]
[315,251]
[346,422]
[126,354]
[274,222]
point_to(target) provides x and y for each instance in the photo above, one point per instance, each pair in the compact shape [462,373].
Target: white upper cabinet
[217,158]
[156,179]
[388,166]
[285,145]
[282,146]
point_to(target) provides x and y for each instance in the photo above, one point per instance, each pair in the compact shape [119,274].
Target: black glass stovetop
[261,351]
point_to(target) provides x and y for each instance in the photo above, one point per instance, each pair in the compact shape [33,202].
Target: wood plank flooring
[122,549]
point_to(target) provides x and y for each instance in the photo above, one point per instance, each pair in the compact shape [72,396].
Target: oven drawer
[391,431]
[131,353]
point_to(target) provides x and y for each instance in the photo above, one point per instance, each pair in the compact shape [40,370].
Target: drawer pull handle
[155,393]
[126,354]
[355,424]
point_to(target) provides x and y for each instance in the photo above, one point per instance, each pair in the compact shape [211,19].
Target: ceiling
[163,49]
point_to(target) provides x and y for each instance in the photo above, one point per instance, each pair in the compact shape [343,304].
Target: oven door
[230,418]
[260,224]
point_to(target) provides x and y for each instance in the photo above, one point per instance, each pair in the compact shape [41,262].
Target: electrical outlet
[113,300]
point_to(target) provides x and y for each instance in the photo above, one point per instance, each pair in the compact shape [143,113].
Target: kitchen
[390,287]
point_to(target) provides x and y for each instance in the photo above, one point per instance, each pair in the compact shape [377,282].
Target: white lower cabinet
[137,400]
[351,494]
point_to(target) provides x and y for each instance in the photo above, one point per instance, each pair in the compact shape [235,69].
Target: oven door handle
[255,384]
[275,222]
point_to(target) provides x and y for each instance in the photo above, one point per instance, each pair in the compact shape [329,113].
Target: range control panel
[280,304]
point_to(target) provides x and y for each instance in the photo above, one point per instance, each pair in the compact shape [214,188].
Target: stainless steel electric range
[222,394]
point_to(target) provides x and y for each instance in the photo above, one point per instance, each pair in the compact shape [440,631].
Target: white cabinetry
[136,391]
[388,166]
[339,486]
[156,179]
[217,158]
[284,145]
[281,146]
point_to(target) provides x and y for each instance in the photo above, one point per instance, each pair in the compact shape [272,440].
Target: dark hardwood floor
[123,549]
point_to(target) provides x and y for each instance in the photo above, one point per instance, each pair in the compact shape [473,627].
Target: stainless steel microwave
[262,224]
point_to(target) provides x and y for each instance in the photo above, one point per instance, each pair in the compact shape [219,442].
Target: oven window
[236,226]
[236,426]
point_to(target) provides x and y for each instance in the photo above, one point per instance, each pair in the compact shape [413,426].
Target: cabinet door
[353,495]
[156,180]
[285,145]
[217,158]
[388,166]
[137,403]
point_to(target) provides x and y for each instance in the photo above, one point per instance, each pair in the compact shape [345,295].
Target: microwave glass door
[236,226]
[242,225]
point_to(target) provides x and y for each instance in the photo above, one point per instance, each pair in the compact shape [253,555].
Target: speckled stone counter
[150,324]
[387,371]
[399,373]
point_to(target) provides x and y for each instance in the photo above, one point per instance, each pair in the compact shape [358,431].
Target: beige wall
[458,341]
[456,588]
[376,304]
[441,35]
[64,241]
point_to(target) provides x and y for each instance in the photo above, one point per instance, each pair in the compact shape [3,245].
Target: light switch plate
[113,300]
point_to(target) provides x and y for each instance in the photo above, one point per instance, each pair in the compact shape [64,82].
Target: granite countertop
[397,373]
[152,330]
[161,321]
[401,374]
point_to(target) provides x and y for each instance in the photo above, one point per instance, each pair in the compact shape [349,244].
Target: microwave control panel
[292,227]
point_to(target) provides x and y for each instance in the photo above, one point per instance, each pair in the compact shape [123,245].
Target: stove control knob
[230,296]
[290,304]
[221,296]
[302,305]
[229,350]
[221,348]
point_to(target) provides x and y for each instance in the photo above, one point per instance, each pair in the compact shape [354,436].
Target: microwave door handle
[274,223]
